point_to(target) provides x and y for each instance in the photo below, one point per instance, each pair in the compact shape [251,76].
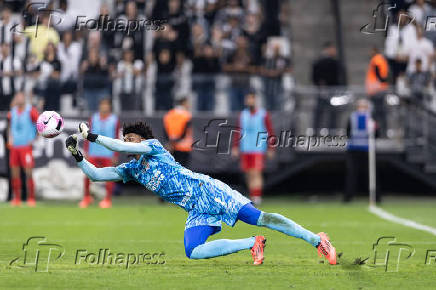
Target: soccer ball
[50,124]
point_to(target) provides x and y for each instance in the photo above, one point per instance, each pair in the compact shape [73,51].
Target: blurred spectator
[205,65]
[22,133]
[377,86]
[107,36]
[419,81]
[179,22]
[70,53]
[400,35]
[95,76]
[326,75]
[178,131]
[65,18]
[133,39]
[164,54]
[239,68]
[419,10]
[129,72]
[255,34]
[422,49]
[10,80]
[275,65]
[256,126]
[6,24]
[41,35]
[48,79]
[107,124]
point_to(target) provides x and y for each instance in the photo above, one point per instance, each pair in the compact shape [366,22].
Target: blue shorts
[198,235]
[217,203]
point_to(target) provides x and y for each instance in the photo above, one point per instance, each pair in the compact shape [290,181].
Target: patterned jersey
[194,192]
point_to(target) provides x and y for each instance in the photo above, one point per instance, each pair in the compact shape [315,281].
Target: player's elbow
[92,177]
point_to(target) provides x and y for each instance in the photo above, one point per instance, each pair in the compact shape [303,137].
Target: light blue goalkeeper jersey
[208,201]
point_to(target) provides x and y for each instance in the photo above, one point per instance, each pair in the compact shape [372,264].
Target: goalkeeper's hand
[84,130]
[73,146]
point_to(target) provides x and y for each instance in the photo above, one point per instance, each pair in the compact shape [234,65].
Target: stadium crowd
[48,53]
[409,48]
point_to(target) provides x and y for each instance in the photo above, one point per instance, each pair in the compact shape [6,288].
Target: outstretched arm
[113,144]
[99,174]
[120,146]
[93,173]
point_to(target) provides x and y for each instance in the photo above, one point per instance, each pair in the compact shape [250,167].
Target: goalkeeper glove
[84,130]
[72,146]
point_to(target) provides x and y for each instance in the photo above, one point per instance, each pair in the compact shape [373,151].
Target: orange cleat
[86,201]
[105,203]
[325,248]
[15,202]
[31,202]
[257,250]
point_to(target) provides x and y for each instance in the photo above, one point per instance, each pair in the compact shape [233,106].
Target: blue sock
[220,248]
[282,224]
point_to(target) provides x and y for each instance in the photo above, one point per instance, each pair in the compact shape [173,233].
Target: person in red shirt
[253,121]
[22,132]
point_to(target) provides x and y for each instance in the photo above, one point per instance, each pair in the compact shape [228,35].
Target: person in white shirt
[422,49]
[69,53]
[398,38]
[10,76]
[128,71]
[419,10]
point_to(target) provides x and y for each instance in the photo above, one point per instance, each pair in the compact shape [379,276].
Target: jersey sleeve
[124,171]
[156,147]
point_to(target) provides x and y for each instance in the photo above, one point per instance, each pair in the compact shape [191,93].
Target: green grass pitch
[142,225]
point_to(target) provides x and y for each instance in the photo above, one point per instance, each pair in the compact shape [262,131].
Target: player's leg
[107,201]
[28,170]
[14,164]
[87,198]
[31,201]
[251,215]
[196,246]
[252,164]
[256,186]
[16,186]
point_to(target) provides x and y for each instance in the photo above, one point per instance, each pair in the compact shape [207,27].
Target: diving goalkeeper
[208,201]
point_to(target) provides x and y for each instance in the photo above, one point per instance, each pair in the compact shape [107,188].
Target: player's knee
[189,249]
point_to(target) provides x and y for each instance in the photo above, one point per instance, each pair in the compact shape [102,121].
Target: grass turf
[143,225]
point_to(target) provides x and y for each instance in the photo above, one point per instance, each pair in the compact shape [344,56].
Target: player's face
[133,138]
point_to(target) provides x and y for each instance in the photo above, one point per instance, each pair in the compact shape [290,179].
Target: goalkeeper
[208,201]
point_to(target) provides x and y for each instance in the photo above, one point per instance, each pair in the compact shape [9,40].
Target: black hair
[140,128]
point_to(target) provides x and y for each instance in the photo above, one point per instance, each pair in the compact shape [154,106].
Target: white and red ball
[50,124]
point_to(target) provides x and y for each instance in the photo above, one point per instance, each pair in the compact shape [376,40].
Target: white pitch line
[405,222]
